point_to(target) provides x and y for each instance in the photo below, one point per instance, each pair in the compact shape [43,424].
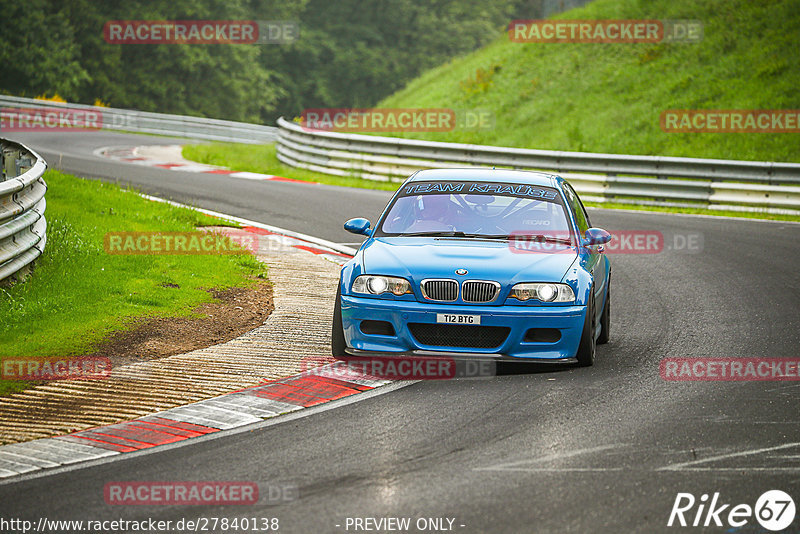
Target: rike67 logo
[774,510]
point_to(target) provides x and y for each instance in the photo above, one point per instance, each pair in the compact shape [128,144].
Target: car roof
[478,174]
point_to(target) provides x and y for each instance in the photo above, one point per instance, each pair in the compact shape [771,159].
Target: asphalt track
[604,449]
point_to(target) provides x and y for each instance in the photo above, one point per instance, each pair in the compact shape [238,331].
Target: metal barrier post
[22,224]
[10,162]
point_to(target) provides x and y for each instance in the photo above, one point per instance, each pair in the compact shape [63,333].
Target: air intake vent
[440,290]
[479,291]
[377,328]
[465,336]
[542,335]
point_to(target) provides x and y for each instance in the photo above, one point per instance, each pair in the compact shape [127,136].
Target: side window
[580,213]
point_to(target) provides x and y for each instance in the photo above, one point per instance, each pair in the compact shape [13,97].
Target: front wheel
[586,349]
[338,344]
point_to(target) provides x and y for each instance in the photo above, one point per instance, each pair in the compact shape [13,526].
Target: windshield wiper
[542,237]
[434,234]
[459,234]
[454,234]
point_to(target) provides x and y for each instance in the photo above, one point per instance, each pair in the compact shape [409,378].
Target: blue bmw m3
[476,263]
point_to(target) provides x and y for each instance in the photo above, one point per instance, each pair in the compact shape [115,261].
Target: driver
[432,213]
[434,208]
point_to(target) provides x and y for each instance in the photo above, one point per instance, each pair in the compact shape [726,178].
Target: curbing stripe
[269,405]
[318,250]
[350,385]
[16,468]
[144,425]
[131,155]
[75,446]
[70,450]
[160,421]
[336,255]
[282,232]
[232,410]
[31,450]
[26,459]
[110,442]
[293,395]
[251,405]
[67,443]
[141,434]
[250,175]
[208,416]
[321,388]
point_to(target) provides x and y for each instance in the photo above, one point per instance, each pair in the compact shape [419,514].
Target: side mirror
[358,225]
[596,236]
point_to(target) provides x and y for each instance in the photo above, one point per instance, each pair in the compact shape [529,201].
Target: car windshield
[476,209]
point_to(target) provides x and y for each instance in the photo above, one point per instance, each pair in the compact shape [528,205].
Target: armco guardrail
[22,204]
[145,122]
[649,180]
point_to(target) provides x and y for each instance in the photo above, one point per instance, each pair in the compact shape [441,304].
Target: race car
[476,263]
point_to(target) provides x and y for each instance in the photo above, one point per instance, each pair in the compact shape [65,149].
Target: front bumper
[568,320]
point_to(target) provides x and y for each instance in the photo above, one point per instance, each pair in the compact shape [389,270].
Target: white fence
[649,180]
[22,204]
[127,120]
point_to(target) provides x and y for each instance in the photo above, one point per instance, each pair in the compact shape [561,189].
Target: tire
[338,344]
[605,318]
[586,349]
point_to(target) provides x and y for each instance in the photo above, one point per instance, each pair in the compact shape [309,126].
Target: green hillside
[608,97]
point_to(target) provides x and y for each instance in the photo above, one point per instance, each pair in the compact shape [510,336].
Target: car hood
[418,258]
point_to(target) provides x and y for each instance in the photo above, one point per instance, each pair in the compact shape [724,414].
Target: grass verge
[79,294]
[263,159]
[608,98]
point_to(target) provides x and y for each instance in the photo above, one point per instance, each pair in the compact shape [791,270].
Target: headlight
[376,285]
[543,292]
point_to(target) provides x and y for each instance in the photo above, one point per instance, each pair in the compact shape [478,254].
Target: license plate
[457,319]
